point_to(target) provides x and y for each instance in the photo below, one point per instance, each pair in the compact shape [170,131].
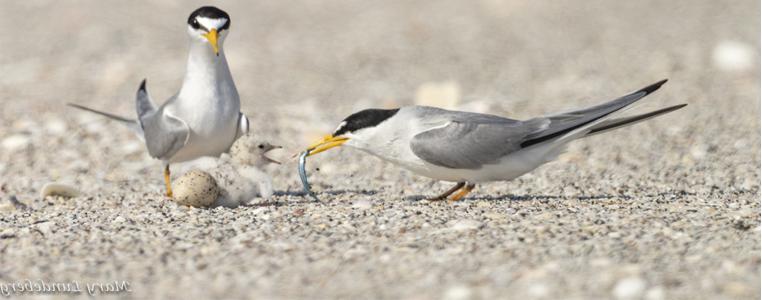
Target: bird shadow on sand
[306,198]
[327,192]
[532,197]
[535,197]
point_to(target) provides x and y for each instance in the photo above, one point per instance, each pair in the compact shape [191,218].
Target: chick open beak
[328,142]
[268,149]
[212,36]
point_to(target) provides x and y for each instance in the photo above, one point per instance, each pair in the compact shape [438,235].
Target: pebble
[655,293]
[59,190]
[733,56]
[46,228]
[629,288]
[15,142]
[458,292]
[195,188]
[7,207]
[362,204]
[56,126]
[438,94]
[538,290]
[465,225]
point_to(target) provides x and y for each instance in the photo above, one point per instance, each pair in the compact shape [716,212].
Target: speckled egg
[195,188]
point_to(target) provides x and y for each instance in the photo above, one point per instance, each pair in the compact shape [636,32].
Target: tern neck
[206,70]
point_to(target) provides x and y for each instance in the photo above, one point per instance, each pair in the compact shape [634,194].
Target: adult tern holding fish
[203,118]
[470,148]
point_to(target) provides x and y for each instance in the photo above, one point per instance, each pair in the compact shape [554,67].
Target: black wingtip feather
[637,118]
[647,90]
[652,88]
[142,85]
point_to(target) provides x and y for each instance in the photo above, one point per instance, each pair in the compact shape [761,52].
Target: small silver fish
[303,174]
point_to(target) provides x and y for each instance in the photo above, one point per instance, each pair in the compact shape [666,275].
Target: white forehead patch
[212,23]
[341,125]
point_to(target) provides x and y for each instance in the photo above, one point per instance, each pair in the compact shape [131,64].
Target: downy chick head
[251,150]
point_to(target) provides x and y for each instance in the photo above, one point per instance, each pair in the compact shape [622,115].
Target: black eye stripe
[365,118]
[196,25]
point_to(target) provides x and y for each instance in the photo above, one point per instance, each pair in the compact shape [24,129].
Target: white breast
[209,103]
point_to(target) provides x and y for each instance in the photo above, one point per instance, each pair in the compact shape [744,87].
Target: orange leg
[168,181]
[448,192]
[463,192]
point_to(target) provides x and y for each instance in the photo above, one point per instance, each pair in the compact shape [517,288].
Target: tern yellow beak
[212,36]
[328,142]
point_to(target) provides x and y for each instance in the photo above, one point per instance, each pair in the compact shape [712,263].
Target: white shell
[58,189]
[195,188]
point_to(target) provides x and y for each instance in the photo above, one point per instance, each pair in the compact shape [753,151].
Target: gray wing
[164,134]
[470,141]
[563,123]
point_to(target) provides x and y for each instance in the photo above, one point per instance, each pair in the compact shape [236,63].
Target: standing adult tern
[203,118]
[469,148]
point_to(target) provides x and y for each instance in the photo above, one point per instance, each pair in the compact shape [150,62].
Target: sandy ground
[668,209]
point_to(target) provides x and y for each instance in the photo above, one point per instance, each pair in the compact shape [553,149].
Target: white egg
[195,188]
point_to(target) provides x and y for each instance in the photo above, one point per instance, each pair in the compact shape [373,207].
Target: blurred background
[334,57]
[302,66]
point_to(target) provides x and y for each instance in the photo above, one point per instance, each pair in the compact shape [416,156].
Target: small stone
[59,190]
[736,289]
[56,126]
[630,288]
[195,188]
[7,207]
[362,204]
[538,290]
[699,151]
[438,94]
[655,293]
[46,228]
[733,56]
[132,147]
[7,234]
[458,292]
[465,225]
[15,142]
[495,216]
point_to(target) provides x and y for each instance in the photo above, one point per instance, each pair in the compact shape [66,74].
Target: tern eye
[195,24]
[261,146]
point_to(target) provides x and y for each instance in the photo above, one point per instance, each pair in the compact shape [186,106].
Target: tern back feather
[470,140]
